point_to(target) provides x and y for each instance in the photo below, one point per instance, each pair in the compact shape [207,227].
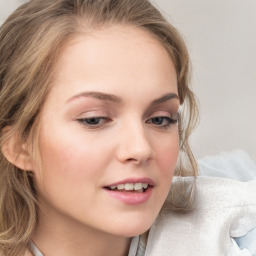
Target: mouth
[131,191]
[130,187]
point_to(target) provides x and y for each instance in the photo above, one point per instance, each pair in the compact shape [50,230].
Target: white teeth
[144,185]
[130,186]
[120,186]
[137,186]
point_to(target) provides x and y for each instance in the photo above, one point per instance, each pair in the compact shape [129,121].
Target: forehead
[116,57]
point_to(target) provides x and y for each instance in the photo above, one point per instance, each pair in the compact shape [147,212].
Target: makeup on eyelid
[94,107]
[101,122]
[99,113]
[103,115]
[132,135]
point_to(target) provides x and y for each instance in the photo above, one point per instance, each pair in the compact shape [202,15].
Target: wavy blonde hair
[31,40]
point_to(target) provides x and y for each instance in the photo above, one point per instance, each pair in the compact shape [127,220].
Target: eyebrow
[98,95]
[165,98]
[115,99]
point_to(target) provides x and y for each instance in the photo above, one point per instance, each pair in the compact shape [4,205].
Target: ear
[16,152]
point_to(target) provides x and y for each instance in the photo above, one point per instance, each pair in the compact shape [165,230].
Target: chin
[131,227]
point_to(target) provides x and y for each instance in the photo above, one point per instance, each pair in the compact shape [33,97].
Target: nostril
[132,159]
[138,161]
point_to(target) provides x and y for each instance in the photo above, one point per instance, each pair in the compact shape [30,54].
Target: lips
[131,191]
[131,184]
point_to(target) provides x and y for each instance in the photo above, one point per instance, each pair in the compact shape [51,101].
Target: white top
[224,209]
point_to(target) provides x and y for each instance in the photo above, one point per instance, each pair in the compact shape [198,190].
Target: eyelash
[170,121]
[93,122]
[101,121]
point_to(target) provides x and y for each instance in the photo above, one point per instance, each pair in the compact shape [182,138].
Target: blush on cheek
[168,161]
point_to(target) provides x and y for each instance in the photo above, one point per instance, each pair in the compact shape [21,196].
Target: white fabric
[224,208]
[35,251]
[238,165]
[134,245]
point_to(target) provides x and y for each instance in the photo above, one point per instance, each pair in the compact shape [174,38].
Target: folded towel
[224,209]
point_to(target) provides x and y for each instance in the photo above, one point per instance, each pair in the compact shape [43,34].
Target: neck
[62,237]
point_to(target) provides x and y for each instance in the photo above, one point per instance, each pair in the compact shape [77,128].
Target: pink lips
[132,198]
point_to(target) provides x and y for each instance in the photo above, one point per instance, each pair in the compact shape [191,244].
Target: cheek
[71,156]
[167,156]
[68,168]
[64,161]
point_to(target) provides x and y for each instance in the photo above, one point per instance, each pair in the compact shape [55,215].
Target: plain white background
[221,38]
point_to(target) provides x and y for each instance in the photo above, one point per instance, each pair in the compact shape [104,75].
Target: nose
[134,145]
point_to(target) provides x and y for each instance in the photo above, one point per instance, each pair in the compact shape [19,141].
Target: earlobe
[16,152]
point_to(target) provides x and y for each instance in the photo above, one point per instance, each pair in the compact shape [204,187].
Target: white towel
[224,209]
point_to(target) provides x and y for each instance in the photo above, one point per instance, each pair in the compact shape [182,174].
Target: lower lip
[131,198]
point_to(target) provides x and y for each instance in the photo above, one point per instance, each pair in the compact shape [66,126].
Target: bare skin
[89,140]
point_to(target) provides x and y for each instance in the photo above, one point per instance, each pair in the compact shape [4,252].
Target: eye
[163,121]
[159,120]
[93,122]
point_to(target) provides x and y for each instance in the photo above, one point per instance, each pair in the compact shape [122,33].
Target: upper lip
[147,180]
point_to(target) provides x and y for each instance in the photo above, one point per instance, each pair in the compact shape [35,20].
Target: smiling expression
[108,139]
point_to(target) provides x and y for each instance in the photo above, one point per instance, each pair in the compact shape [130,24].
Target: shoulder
[215,192]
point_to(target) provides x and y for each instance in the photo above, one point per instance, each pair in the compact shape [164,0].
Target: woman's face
[108,137]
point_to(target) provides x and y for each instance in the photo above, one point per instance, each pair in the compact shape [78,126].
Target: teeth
[130,186]
[144,185]
[137,186]
[120,186]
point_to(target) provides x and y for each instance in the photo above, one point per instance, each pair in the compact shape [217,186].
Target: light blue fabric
[248,242]
[236,165]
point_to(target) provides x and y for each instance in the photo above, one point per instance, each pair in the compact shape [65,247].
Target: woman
[90,96]
[91,127]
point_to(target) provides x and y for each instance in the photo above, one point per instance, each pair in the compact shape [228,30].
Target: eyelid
[85,122]
[164,113]
[168,119]
[92,113]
